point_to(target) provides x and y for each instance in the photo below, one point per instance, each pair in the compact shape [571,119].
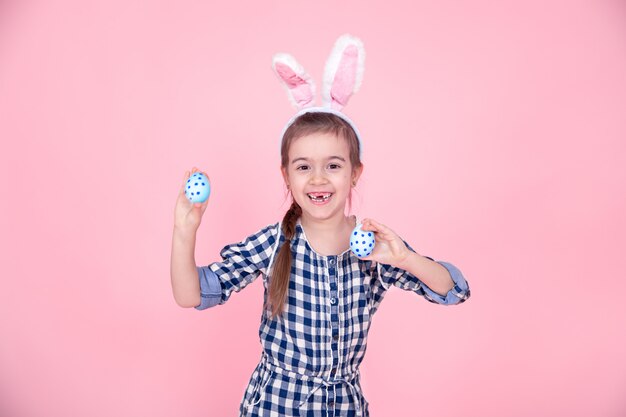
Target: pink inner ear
[298,87]
[345,78]
[288,75]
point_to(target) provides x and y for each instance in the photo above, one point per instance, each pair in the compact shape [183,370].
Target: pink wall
[496,143]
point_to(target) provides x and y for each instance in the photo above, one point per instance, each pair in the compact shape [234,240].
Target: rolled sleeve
[210,288]
[458,294]
[241,264]
[407,281]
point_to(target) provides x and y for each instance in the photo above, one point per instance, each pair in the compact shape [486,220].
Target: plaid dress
[310,359]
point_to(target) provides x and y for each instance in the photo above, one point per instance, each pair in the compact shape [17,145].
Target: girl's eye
[302,168]
[334,166]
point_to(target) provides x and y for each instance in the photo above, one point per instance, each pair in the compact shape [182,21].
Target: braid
[289,221]
[279,283]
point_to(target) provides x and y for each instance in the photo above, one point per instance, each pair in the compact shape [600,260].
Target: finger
[371,226]
[382,231]
[379,226]
[367,225]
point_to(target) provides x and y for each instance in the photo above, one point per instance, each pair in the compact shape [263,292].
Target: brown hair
[306,124]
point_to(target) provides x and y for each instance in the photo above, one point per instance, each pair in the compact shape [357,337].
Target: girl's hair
[306,124]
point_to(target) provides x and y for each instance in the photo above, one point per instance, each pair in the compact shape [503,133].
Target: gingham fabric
[310,358]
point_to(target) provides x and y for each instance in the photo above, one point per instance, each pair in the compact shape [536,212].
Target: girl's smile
[320,198]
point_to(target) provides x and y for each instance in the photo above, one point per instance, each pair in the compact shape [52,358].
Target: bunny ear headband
[342,77]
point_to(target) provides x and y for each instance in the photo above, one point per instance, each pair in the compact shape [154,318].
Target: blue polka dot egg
[198,188]
[361,242]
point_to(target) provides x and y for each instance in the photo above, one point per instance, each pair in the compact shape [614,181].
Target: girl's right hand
[188,215]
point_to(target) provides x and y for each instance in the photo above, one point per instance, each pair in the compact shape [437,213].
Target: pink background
[494,139]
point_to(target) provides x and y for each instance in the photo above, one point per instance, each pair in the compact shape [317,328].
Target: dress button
[333,371]
[331,404]
[333,301]
[335,337]
[332,261]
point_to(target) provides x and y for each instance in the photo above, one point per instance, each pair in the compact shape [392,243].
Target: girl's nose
[318,176]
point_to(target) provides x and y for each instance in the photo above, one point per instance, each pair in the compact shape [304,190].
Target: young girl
[319,296]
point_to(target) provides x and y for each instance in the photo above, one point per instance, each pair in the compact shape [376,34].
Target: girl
[319,297]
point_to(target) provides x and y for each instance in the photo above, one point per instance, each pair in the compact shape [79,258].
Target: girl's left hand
[389,248]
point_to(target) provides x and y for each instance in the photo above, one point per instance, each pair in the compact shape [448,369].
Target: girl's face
[320,175]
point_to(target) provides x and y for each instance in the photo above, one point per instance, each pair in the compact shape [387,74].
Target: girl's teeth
[320,197]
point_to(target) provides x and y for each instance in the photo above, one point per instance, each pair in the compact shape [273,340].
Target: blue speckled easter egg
[361,243]
[198,188]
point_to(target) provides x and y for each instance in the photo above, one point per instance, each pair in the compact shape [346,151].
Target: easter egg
[361,242]
[198,188]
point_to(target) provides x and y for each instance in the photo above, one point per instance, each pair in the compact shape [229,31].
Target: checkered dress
[310,360]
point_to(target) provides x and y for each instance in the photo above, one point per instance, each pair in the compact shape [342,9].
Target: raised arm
[183,271]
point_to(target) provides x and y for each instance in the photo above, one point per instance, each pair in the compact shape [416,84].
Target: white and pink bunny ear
[342,78]
[343,72]
[300,87]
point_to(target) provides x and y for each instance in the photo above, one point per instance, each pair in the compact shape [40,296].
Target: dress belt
[319,382]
